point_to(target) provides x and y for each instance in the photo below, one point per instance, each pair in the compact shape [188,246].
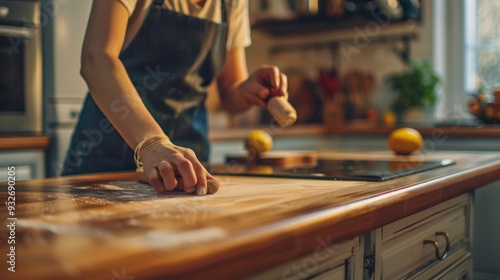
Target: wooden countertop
[321,130]
[100,226]
[23,142]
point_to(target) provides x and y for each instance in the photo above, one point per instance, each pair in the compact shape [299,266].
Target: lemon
[260,169]
[258,141]
[405,141]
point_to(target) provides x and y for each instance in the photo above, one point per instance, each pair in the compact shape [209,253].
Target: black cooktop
[329,169]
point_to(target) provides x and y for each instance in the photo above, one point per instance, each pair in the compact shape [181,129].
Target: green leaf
[415,87]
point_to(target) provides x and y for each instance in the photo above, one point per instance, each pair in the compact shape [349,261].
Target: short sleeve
[129,5]
[239,25]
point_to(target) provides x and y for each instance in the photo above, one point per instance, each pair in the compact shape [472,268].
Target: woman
[147,64]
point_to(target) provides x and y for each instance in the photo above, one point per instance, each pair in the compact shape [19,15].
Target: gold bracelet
[137,153]
[151,146]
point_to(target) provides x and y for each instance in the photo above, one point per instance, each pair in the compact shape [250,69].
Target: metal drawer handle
[436,245]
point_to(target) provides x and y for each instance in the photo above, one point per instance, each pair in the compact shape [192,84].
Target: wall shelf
[318,24]
[403,51]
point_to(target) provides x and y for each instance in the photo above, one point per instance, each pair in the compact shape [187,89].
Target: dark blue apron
[171,61]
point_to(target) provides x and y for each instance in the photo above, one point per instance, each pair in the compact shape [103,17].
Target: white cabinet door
[28,164]
[335,262]
[425,243]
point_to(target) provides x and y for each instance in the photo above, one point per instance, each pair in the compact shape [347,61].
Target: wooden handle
[212,185]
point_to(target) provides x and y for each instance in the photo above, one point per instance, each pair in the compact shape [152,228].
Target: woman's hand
[264,82]
[239,91]
[168,167]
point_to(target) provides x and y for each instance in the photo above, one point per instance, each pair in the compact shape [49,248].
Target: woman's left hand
[264,82]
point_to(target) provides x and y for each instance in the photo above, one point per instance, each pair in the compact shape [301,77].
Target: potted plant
[416,90]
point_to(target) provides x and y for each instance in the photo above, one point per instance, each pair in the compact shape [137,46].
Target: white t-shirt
[237,11]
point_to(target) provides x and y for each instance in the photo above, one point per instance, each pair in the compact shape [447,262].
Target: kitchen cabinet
[28,164]
[426,245]
[399,250]
[334,262]
[26,153]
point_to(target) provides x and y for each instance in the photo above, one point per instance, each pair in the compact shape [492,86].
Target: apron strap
[223,7]
[224,12]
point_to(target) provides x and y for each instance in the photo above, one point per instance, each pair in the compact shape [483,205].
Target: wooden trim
[24,142]
[490,131]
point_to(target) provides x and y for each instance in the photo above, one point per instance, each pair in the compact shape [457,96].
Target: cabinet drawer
[415,243]
[461,268]
[337,273]
[29,164]
[323,263]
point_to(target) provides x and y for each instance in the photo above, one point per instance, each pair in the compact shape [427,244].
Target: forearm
[117,98]
[232,76]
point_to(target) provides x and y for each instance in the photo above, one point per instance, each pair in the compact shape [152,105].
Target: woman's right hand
[168,167]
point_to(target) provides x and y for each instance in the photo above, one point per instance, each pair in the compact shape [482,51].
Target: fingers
[199,170]
[212,184]
[154,179]
[270,77]
[201,186]
[275,77]
[184,172]
[172,167]
[283,88]
[168,175]
[257,99]
[187,173]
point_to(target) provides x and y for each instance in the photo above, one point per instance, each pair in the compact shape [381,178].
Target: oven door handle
[15,31]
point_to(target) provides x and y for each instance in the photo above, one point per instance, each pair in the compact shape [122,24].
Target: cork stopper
[281,110]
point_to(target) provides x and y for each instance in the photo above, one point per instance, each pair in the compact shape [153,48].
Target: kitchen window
[482,43]
[466,51]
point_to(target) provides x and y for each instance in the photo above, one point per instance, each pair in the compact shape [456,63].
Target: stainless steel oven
[20,66]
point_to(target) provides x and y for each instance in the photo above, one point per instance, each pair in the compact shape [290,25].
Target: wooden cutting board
[281,159]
